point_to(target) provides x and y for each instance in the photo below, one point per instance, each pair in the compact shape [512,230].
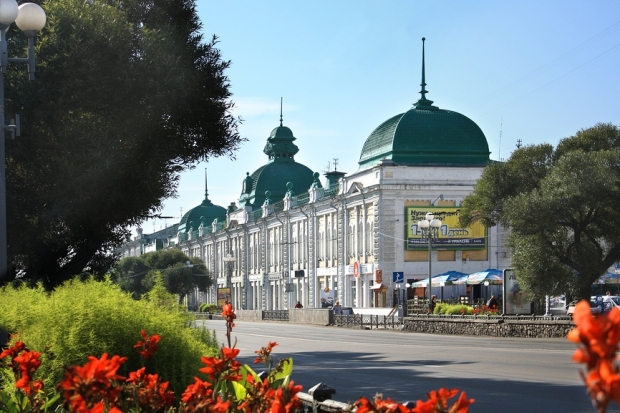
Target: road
[502,374]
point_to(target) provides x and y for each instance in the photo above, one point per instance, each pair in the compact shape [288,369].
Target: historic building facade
[292,238]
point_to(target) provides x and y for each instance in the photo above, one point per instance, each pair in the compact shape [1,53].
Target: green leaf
[239,390]
[286,369]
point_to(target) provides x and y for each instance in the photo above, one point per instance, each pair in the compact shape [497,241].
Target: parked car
[594,307]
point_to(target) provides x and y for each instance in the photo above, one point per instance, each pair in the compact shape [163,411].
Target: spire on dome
[280,146]
[424,103]
[206,202]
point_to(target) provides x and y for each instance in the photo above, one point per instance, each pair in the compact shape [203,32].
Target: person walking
[432,304]
[337,308]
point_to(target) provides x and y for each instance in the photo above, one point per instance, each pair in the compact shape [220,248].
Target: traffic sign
[356,269]
[398,277]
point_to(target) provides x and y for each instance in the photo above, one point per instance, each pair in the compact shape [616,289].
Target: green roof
[280,170]
[204,214]
[426,136]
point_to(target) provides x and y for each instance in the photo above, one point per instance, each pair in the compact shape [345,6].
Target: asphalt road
[503,375]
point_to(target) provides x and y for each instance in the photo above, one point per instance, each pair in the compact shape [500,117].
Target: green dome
[426,135]
[280,170]
[204,214]
[274,177]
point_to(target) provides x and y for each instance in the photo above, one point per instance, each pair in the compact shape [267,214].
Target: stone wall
[316,316]
[493,327]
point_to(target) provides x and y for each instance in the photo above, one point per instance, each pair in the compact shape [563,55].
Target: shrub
[209,308]
[459,309]
[91,318]
[441,308]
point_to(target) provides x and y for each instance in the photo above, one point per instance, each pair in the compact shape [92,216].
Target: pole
[3,219]
[429,266]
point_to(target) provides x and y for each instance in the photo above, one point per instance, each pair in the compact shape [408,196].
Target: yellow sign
[451,236]
[222,295]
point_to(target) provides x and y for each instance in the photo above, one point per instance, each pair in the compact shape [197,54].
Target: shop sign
[378,276]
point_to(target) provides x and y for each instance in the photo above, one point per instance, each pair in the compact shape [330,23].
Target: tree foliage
[561,206]
[127,95]
[178,273]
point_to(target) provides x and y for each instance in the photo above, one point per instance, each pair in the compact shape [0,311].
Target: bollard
[320,393]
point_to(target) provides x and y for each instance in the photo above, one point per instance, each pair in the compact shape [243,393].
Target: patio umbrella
[609,278]
[491,275]
[440,280]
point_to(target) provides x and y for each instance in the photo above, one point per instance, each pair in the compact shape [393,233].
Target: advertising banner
[451,235]
[514,301]
[222,295]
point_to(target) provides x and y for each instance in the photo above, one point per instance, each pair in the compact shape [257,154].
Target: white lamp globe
[435,223]
[423,223]
[430,216]
[31,17]
[8,11]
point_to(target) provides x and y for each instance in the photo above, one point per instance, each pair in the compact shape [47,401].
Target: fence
[368,321]
[275,315]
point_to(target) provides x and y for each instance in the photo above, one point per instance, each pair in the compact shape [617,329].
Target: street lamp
[30,18]
[429,226]
[228,258]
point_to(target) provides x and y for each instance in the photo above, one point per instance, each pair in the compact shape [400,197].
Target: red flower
[599,337]
[379,406]
[264,353]
[151,393]
[147,346]
[198,397]
[27,364]
[13,351]
[224,367]
[86,387]
[285,399]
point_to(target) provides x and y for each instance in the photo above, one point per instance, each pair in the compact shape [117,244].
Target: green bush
[91,318]
[444,308]
[459,309]
[208,308]
[441,308]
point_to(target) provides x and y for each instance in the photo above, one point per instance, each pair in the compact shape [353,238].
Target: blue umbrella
[491,275]
[440,280]
[609,278]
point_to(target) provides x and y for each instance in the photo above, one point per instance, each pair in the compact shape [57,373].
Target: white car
[594,307]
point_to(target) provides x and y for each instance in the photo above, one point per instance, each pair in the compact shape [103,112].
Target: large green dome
[426,135]
[278,172]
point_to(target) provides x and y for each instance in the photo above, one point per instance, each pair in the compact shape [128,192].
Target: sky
[529,71]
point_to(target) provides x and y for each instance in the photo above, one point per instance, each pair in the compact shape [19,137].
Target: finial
[423,101]
[423,84]
[280,111]
[206,187]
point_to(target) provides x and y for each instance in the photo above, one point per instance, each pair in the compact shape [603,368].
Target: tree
[127,95]
[177,272]
[561,207]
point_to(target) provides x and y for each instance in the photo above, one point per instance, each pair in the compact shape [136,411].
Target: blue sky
[533,70]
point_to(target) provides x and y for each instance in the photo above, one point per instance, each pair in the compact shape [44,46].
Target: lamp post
[30,18]
[229,259]
[429,226]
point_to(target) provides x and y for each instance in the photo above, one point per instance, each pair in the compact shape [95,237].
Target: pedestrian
[492,303]
[299,305]
[337,308]
[432,304]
